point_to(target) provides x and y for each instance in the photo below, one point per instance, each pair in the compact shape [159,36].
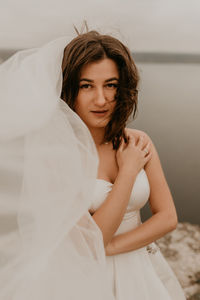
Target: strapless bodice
[141,273]
[139,197]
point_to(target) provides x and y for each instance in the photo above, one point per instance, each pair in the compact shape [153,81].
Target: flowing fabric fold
[50,246]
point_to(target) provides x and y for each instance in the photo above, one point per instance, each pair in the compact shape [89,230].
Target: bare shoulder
[137,133]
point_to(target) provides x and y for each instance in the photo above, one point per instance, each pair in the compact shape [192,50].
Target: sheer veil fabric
[50,247]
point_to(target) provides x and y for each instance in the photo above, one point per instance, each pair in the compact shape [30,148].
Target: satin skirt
[142,274]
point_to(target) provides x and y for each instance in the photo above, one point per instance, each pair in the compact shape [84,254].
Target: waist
[130,221]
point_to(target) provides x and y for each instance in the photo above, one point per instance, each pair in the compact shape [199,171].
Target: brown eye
[112,85]
[85,86]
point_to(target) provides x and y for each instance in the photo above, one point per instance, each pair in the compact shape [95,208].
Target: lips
[99,113]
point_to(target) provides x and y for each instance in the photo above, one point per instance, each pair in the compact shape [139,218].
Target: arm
[130,160]
[109,215]
[164,217]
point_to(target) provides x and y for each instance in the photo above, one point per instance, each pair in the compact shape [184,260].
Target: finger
[126,133]
[121,146]
[148,157]
[140,142]
[146,148]
[130,136]
[131,139]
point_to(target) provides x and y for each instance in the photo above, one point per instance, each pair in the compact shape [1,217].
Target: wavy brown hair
[93,46]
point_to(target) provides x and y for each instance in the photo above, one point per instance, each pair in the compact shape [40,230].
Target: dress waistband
[130,221]
[131,214]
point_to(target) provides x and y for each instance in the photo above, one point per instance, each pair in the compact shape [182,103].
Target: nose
[99,97]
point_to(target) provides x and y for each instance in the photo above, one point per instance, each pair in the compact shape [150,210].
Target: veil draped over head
[50,246]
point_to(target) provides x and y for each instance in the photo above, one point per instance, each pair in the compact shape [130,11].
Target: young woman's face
[97,89]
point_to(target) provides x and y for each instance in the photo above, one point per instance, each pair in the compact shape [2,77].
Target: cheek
[113,105]
[77,103]
[80,106]
[75,106]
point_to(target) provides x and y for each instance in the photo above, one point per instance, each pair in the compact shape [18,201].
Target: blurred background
[164,39]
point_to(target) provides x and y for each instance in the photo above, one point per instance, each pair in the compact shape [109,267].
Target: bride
[100,84]
[82,178]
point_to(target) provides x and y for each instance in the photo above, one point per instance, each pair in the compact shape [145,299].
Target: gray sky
[145,25]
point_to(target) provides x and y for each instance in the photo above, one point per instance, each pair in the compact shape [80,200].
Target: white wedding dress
[137,275]
[50,246]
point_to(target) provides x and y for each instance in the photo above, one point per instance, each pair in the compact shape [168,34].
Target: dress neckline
[110,183]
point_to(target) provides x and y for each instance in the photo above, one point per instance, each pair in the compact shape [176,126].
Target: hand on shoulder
[147,140]
[133,155]
[153,166]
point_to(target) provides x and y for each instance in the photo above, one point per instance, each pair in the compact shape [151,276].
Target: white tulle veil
[50,247]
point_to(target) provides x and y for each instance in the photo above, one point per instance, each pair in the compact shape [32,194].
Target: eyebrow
[107,80]
[111,79]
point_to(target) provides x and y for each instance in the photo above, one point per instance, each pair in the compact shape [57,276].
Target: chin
[101,124]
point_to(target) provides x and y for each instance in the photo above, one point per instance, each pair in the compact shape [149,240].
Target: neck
[98,135]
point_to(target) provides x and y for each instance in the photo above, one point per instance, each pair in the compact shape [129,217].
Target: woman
[56,170]
[100,84]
